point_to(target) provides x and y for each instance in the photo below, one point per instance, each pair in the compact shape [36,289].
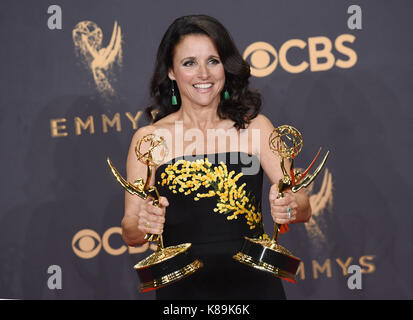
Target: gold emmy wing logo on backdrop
[321,201]
[87,38]
[263,57]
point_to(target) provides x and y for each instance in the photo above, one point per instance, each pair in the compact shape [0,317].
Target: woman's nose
[203,71]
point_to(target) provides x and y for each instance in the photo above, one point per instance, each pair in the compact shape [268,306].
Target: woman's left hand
[283,210]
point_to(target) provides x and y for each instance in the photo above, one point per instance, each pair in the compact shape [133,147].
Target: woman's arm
[270,162]
[140,216]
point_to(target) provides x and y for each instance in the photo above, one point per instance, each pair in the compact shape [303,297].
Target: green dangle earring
[174,101]
[226,95]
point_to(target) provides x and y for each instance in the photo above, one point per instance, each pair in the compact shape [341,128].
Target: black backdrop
[60,205]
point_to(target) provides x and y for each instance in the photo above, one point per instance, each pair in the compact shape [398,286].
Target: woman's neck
[201,117]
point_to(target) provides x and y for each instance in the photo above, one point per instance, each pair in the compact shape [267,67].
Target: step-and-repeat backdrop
[75,81]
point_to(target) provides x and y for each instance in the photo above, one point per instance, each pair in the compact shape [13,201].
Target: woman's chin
[206,102]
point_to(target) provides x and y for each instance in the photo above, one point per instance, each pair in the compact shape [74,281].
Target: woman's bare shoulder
[260,122]
[143,131]
[164,123]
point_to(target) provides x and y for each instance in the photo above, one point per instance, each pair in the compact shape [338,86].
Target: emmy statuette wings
[166,265]
[266,254]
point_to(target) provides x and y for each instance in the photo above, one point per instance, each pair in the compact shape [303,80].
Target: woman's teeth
[203,86]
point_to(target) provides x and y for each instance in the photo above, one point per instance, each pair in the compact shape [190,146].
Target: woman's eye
[191,63]
[188,63]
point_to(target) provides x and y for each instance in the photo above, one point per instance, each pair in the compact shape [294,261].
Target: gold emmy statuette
[165,265]
[265,254]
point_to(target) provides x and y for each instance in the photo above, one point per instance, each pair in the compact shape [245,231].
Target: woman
[200,88]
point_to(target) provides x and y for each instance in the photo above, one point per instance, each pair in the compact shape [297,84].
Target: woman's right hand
[151,219]
[141,216]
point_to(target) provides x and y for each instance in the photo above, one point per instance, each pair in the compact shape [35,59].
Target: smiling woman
[221,61]
[200,85]
[198,71]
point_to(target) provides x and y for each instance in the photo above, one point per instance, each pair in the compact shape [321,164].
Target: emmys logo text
[63,127]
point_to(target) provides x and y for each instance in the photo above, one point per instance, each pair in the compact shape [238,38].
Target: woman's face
[198,71]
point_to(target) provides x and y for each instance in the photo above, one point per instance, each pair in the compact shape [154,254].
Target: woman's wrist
[131,235]
[304,207]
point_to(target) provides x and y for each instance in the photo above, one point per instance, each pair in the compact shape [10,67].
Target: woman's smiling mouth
[202,85]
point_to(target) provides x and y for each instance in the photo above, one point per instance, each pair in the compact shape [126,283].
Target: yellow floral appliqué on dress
[188,176]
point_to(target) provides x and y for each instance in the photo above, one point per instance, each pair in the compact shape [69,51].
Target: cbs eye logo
[87,243]
[263,58]
[261,64]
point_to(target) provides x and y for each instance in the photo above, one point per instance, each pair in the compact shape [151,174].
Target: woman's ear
[171,74]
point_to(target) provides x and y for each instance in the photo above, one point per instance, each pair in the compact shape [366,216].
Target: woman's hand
[142,217]
[151,219]
[298,202]
[292,208]
[283,210]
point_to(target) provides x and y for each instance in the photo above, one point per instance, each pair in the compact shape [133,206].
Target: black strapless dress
[194,218]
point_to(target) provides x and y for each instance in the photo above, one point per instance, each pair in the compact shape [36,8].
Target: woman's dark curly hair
[243,104]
